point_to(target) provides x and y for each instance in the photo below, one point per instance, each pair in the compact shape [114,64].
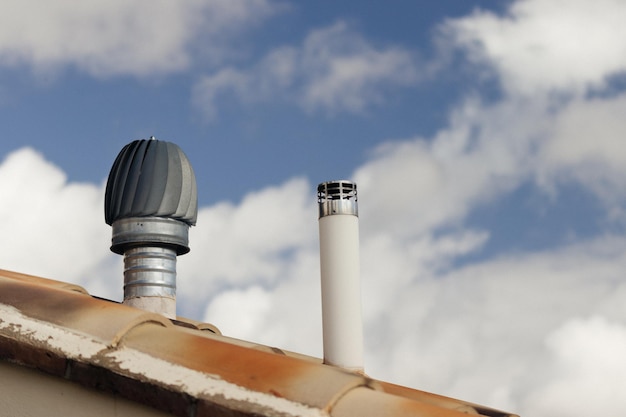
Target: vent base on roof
[161,305]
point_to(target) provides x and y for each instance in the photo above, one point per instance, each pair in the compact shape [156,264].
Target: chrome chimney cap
[337,197]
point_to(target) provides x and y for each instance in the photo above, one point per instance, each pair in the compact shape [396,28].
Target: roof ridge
[120,349]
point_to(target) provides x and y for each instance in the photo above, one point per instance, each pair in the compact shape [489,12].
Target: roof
[184,367]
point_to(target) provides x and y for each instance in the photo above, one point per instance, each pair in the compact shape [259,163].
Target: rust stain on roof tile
[209,388]
[364,402]
[440,400]
[280,375]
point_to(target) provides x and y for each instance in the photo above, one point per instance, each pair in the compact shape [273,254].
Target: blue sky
[486,140]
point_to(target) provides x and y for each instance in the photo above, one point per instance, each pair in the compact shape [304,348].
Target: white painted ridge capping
[72,345]
[202,385]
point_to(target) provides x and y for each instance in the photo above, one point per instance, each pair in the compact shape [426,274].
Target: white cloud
[285,314]
[344,72]
[334,70]
[477,332]
[103,38]
[547,45]
[206,91]
[416,186]
[586,144]
[587,369]
[252,242]
[254,304]
[588,130]
[52,228]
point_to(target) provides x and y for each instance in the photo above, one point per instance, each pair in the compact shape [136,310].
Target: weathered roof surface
[184,367]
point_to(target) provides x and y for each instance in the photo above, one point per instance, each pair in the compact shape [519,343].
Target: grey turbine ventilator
[151,200]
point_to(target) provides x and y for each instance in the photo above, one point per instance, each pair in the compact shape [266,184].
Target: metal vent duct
[150,202]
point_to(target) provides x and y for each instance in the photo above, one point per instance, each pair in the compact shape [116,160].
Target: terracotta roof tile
[186,367]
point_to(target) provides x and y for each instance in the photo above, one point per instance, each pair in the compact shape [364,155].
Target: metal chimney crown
[150,202]
[337,197]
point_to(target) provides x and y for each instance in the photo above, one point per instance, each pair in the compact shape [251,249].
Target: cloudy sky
[486,139]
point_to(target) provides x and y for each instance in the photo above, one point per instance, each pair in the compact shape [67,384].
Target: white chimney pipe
[339,261]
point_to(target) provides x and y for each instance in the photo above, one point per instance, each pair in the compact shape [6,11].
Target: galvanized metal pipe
[150,279]
[340,281]
[150,246]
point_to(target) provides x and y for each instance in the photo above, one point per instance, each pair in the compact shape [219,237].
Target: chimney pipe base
[160,305]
